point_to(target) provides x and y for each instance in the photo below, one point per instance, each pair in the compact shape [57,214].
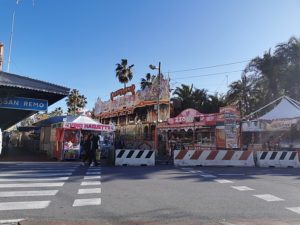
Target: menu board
[230,128]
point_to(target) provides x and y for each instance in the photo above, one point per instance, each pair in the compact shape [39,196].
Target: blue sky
[76,43]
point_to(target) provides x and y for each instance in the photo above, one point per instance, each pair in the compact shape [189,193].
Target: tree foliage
[75,102]
[187,96]
[268,77]
[123,72]
[147,81]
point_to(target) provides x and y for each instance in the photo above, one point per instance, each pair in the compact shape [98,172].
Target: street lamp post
[158,92]
[158,95]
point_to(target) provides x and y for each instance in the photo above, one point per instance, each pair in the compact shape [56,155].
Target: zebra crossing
[27,186]
[30,187]
[90,187]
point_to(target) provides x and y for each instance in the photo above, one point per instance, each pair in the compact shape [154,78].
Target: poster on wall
[230,128]
[220,138]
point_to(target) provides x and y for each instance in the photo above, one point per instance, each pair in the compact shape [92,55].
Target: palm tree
[146,82]
[239,94]
[124,73]
[56,112]
[184,95]
[75,102]
[200,99]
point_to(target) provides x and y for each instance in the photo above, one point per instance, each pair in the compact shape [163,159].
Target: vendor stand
[68,135]
[278,129]
[192,130]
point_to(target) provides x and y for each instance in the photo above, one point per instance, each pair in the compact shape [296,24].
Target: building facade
[134,113]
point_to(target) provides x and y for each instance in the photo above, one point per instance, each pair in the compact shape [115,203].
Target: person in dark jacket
[94,147]
[86,148]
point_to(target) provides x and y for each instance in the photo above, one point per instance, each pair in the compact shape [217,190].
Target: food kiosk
[68,135]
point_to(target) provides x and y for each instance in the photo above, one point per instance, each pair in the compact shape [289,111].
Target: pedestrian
[94,147]
[86,149]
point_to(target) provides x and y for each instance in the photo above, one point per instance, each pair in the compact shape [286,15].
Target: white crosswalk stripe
[88,201]
[33,179]
[269,198]
[87,183]
[19,185]
[11,221]
[91,177]
[242,188]
[27,193]
[34,174]
[222,181]
[294,209]
[89,191]
[4,206]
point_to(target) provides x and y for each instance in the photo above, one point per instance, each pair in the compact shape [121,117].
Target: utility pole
[158,93]
[11,40]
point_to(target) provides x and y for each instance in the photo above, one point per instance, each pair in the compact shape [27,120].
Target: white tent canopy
[286,109]
[81,119]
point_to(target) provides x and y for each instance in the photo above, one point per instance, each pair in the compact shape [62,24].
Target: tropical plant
[147,82]
[123,72]
[56,112]
[75,102]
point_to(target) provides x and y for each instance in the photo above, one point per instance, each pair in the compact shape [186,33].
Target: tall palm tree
[124,73]
[75,102]
[184,94]
[200,99]
[239,94]
[146,82]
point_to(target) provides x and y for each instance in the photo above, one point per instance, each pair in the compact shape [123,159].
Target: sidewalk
[21,155]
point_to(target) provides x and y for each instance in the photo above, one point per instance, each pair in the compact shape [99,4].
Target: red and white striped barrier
[213,158]
[278,159]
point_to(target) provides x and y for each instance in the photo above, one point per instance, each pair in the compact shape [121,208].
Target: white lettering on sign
[8,102]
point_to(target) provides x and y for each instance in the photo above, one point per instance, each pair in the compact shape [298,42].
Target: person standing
[86,148]
[94,147]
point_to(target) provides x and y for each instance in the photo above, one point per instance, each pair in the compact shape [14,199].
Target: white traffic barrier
[213,158]
[278,159]
[134,157]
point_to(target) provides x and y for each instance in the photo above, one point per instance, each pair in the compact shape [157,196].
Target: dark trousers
[85,157]
[92,156]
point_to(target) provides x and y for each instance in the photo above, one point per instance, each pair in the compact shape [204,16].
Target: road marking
[33,179]
[226,223]
[207,175]
[11,221]
[93,173]
[231,174]
[222,181]
[269,198]
[88,201]
[39,171]
[91,177]
[196,171]
[27,193]
[59,184]
[35,175]
[89,191]
[46,164]
[86,183]
[242,188]
[294,209]
[23,205]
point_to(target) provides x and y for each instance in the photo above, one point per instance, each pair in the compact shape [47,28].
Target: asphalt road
[149,195]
